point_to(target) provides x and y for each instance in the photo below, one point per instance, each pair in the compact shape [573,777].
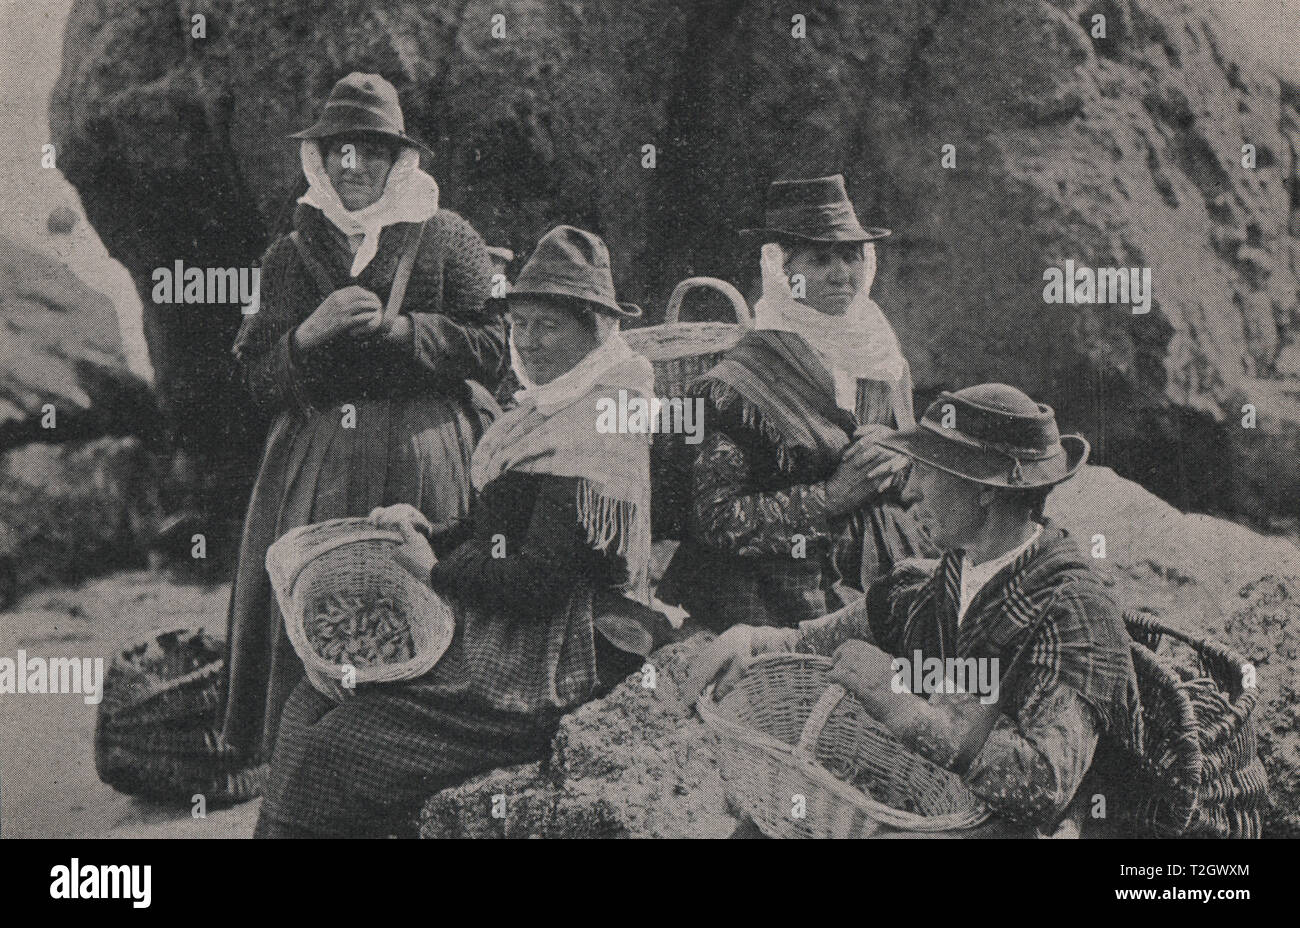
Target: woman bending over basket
[562,518]
[371,408]
[791,489]
[1008,588]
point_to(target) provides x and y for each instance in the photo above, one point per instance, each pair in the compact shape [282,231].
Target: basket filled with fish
[354,615]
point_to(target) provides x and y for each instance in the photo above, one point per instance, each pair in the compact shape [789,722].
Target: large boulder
[63,373]
[1123,149]
[639,763]
[73,510]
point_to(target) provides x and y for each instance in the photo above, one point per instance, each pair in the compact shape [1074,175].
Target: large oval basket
[157,730]
[804,760]
[354,558]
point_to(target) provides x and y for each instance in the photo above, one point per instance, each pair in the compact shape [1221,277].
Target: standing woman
[370,409]
[562,519]
[792,498]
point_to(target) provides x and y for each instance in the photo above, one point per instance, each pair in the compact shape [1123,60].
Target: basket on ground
[158,726]
[787,732]
[348,565]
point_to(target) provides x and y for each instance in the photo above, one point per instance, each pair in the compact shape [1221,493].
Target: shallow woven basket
[785,732]
[353,557]
[682,351]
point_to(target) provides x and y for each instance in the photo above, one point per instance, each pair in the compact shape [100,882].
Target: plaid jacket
[1075,684]
[761,547]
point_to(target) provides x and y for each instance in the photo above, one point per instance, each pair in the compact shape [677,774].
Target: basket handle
[817,719]
[743,314]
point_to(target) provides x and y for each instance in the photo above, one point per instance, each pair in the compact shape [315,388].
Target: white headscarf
[860,344]
[410,195]
[578,380]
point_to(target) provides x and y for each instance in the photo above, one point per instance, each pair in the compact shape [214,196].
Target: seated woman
[562,516]
[1009,590]
[790,491]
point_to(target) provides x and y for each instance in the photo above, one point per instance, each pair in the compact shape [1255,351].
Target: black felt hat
[995,435]
[817,210]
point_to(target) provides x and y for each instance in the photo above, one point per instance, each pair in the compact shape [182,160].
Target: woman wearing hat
[1009,588]
[562,518]
[373,403]
[790,490]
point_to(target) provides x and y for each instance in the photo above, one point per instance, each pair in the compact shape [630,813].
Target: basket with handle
[1197,770]
[787,732]
[352,557]
[682,351]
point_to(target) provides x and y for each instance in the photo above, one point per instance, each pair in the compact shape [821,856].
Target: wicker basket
[1197,770]
[168,677]
[157,730]
[786,732]
[682,351]
[354,557]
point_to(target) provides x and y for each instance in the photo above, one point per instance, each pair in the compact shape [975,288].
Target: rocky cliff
[1119,145]
[63,374]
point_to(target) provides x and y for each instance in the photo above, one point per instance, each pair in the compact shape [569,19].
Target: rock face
[1122,149]
[73,510]
[639,763]
[60,348]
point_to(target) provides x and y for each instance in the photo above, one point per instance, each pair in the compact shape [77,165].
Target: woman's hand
[353,311]
[414,553]
[865,671]
[729,656]
[866,470]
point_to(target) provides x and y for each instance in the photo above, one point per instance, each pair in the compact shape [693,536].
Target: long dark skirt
[402,450]
[361,768]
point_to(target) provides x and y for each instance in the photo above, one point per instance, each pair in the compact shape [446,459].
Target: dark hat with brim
[572,264]
[994,435]
[362,104]
[814,210]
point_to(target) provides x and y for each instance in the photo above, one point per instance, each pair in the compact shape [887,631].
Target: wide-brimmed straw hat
[995,435]
[816,210]
[573,264]
[362,104]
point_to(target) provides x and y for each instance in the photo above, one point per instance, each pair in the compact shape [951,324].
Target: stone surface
[639,763]
[74,510]
[1117,151]
[60,348]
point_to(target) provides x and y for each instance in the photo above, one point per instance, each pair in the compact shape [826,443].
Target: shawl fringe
[724,397]
[617,525]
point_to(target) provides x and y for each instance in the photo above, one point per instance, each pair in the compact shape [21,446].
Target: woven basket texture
[786,731]
[1194,769]
[352,557]
[157,729]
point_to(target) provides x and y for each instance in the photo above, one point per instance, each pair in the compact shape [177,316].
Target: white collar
[974,577]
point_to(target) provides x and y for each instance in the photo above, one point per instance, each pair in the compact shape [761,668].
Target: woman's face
[832,274]
[948,506]
[360,171]
[550,339]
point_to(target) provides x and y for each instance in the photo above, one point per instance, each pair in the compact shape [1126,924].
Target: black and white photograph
[580,419]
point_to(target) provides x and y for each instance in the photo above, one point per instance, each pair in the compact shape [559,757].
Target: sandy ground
[48,786]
